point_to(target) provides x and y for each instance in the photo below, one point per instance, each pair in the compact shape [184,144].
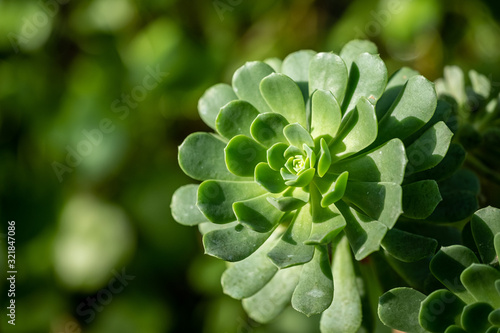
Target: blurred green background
[95,97]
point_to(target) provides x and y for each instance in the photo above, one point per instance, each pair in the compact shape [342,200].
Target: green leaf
[245,278]
[408,247]
[393,89]
[294,198]
[399,309]
[479,280]
[364,233]
[336,191]
[428,150]
[213,100]
[314,292]
[325,159]
[380,201]
[354,48]
[455,329]
[283,96]
[267,129]
[246,82]
[291,249]
[447,266]
[257,213]
[496,242]
[303,179]
[275,63]
[296,65]
[275,156]
[367,79]
[184,208]
[327,221]
[494,317]
[414,107]
[201,157]
[362,133]
[326,115]
[344,314]
[420,199]
[442,113]
[298,135]
[216,198]
[233,243]
[270,301]
[485,225]
[452,161]
[440,310]
[384,164]
[269,179]
[243,154]
[475,317]
[235,118]
[480,84]
[327,71]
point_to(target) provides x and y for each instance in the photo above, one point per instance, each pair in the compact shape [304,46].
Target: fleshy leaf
[354,48]
[213,100]
[246,82]
[243,154]
[414,107]
[284,96]
[380,201]
[440,310]
[384,164]
[428,150]
[245,278]
[327,221]
[270,301]
[394,86]
[479,280]
[201,157]
[267,129]
[362,133]
[337,190]
[303,179]
[314,292]
[367,79]
[399,309]
[447,266]
[183,206]
[344,314]
[325,159]
[216,198]
[326,114]
[420,199]
[291,249]
[364,233]
[475,317]
[485,225]
[257,213]
[298,135]
[235,118]
[494,317]
[275,63]
[327,71]
[233,243]
[408,247]
[269,179]
[296,66]
[275,156]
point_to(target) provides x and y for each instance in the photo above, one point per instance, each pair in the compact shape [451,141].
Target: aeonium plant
[471,301]
[304,171]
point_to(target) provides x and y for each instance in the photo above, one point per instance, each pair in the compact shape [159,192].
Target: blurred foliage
[116,82]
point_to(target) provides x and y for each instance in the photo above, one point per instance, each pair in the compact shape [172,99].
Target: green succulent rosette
[471,301]
[304,171]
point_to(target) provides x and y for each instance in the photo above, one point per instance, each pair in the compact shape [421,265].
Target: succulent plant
[471,302]
[305,165]
[476,110]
